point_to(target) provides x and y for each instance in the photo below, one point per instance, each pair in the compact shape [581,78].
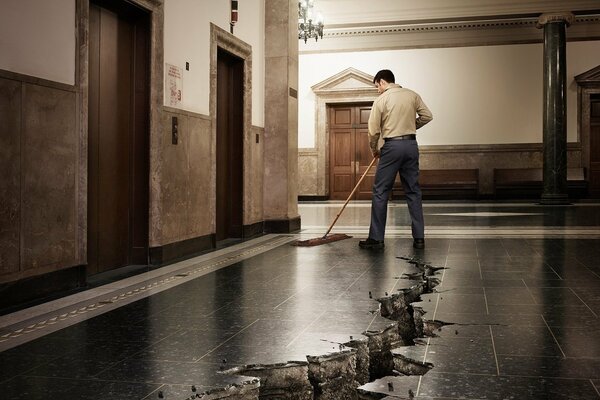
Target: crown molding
[480,32]
[356,11]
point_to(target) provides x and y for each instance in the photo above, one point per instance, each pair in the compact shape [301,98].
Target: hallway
[505,304]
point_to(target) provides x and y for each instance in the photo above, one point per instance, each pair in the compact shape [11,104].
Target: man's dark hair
[386,75]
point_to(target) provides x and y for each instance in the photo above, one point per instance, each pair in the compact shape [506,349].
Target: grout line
[158,389]
[426,349]
[371,323]
[487,310]
[553,270]
[494,348]
[571,289]
[305,329]
[552,333]
[437,301]
[237,333]
[529,291]
[595,388]
[431,372]
[419,385]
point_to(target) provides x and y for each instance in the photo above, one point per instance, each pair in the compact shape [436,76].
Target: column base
[554,199]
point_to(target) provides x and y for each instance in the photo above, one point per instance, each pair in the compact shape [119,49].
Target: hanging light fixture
[308,26]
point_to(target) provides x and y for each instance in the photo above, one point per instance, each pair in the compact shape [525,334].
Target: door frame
[231,138]
[155,9]
[347,86]
[136,129]
[588,84]
[221,39]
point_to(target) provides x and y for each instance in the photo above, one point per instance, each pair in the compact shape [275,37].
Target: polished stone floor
[519,291]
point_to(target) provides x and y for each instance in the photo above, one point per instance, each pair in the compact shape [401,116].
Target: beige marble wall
[185,177]
[281,111]
[482,157]
[308,173]
[38,189]
[10,175]
[253,176]
[48,172]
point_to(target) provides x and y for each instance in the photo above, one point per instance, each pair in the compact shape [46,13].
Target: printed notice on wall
[174,84]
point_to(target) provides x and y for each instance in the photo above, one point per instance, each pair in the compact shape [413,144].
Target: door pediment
[591,77]
[348,80]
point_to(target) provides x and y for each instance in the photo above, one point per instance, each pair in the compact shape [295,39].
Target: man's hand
[375,153]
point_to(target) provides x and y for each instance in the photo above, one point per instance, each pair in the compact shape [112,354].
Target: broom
[336,236]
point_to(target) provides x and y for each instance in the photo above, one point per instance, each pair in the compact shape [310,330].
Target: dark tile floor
[523,308]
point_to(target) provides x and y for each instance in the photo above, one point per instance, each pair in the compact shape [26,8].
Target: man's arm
[424,113]
[374,129]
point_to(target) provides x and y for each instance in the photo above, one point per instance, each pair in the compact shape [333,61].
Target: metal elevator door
[118,136]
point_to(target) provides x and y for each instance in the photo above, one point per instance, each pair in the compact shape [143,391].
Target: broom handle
[349,197]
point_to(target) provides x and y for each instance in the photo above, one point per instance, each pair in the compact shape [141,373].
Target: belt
[402,137]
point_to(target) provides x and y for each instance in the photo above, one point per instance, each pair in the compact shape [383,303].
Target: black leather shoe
[371,244]
[419,243]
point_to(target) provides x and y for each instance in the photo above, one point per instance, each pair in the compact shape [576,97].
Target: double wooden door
[349,152]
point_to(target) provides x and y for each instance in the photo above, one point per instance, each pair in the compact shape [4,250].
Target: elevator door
[349,152]
[230,140]
[118,136]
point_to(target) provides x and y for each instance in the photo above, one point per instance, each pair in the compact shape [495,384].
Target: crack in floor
[338,375]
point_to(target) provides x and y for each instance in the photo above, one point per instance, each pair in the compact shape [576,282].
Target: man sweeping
[394,118]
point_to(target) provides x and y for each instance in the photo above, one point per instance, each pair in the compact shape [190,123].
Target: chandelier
[309,28]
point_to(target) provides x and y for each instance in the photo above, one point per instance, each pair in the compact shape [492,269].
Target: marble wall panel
[307,174]
[48,163]
[484,157]
[253,177]
[174,179]
[10,175]
[201,192]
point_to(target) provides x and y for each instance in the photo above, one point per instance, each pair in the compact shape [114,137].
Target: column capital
[564,16]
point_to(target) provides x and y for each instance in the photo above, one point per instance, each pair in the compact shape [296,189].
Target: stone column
[281,116]
[555,108]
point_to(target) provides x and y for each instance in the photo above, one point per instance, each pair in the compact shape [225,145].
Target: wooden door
[594,177]
[230,140]
[349,153]
[118,137]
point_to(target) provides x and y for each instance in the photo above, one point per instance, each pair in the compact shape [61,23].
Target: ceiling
[346,13]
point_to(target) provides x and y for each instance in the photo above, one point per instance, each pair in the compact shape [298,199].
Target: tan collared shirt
[394,114]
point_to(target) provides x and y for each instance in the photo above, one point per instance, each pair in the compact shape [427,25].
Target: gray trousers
[397,156]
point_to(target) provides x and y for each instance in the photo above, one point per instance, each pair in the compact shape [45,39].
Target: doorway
[118,136]
[230,145]
[349,152]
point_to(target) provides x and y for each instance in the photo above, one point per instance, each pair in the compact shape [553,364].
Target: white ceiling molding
[360,12]
[489,31]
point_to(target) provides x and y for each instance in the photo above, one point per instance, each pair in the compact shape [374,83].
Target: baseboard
[253,230]
[172,252]
[28,292]
[282,225]
[313,198]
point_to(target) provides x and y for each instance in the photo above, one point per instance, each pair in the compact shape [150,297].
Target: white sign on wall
[174,84]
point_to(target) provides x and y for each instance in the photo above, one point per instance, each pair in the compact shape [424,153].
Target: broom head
[322,240]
